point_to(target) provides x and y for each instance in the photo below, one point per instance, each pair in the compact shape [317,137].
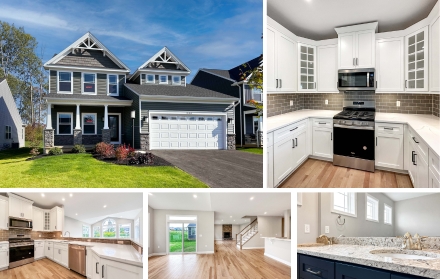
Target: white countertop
[279,121]
[277,238]
[4,242]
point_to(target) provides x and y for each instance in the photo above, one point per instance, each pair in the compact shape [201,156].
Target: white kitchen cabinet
[327,69]
[418,168]
[61,254]
[117,270]
[416,61]
[269,153]
[390,67]
[20,207]
[48,249]
[38,249]
[322,142]
[300,150]
[389,145]
[4,213]
[283,158]
[96,267]
[56,219]
[4,256]
[434,182]
[434,50]
[306,67]
[89,263]
[37,219]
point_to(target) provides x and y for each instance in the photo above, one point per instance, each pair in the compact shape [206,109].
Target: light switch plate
[326,102]
[398,103]
[327,229]
[291,103]
[307,228]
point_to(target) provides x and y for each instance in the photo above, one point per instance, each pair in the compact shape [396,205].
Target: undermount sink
[401,255]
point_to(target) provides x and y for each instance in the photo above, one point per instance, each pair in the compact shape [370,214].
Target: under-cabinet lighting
[195,196]
[42,195]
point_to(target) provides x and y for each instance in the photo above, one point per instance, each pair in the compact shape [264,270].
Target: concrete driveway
[218,168]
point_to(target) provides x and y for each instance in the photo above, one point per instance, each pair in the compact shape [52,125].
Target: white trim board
[250,248]
[278,259]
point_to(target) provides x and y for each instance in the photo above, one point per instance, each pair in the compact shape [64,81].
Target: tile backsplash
[385,102]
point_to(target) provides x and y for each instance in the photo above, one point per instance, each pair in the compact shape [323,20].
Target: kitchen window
[388,215]
[149,79]
[89,83]
[163,79]
[344,203]
[8,131]
[89,123]
[65,123]
[125,231]
[65,82]
[372,208]
[85,231]
[96,231]
[137,230]
[109,228]
[113,88]
[177,80]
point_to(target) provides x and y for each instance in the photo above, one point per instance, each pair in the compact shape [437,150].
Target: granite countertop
[277,238]
[361,255]
[4,242]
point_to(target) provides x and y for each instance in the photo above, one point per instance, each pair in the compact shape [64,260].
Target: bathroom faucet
[409,243]
[418,244]
[66,232]
[325,240]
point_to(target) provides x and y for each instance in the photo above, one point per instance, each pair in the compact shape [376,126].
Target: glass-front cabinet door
[416,74]
[306,67]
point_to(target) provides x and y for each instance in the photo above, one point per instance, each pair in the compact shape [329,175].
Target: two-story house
[232,82]
[92,98]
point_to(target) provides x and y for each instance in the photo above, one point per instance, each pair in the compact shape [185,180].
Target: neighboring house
[231,82]
[93,99]
[192,231]
[11,128]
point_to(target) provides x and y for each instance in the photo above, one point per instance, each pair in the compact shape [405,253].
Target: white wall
[9,116]
[268,226]
[73,226]
[308,214]
[235,230]
[150,230]
[218,232]
[141,226]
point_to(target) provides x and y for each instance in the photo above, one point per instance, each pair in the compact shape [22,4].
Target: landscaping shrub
[78,148]
[34,152]
[55,151]
[131,152]
[141,159]
[105,150]
[121,153]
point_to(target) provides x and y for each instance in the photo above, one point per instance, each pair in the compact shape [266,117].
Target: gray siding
[88,58]
[147,106]
[101,86]
[121,84]
[77,83]
[140,78]
[53,82]
[249,124]
[9,116]
[127,122]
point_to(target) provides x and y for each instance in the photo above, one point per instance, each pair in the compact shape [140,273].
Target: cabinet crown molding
[358,27]
[11,195]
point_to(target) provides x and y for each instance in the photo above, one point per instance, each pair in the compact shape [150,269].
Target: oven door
[357,79]
[353,142]
[21,253]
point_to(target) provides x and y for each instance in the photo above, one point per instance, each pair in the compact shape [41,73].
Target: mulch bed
[157,162]
[36,157]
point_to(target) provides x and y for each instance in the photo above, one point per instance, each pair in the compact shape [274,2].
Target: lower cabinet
[389,146]
[108,269]
[322,142]
[269,153]
[61,254]
[344,271]
[89,263]
[48,250]
[38,250]
[4,256]
[418,169]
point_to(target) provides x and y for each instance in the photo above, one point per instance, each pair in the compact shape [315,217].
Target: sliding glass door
[182,237]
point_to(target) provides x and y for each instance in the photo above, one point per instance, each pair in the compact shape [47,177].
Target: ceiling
[405,196]
[229,208]
[89,207]
[316,19]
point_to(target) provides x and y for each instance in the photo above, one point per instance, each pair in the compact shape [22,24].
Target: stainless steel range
[21,250]
[353,132]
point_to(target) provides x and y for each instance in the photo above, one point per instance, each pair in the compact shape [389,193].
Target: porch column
[77,132]
[106,130]
[106,117]
[49,117]
[78,119]
[48,132]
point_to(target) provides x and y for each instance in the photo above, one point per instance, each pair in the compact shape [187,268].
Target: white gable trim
[88,35]
[169,53]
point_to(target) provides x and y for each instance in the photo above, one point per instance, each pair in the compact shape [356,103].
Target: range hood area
[19,223]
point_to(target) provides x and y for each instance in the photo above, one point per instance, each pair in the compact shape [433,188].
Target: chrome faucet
[409,244]
[66,232]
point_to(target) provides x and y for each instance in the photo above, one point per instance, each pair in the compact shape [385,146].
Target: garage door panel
[174,135]
[164,135]
[164,126]
[193,127]
[154,126]
[201,127]
[183,135]
[174,126]
[183,127]
[192,135]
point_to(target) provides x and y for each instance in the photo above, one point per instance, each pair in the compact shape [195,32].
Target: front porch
[253,129]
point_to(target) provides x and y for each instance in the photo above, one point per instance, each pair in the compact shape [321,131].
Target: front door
[113,124]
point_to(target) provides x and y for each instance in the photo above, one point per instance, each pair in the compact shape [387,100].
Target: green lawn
[254,150]
[176,242]
[82,170]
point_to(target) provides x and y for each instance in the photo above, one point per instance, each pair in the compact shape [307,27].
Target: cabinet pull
[313,272]
[376,141]
[331,136]
[293,143]
[97,268]
[376,83]
[357,61]
[281,83]
[412,156]
[296,139]
[406,84]
[322,123]
[415,164]
[414,139]
[294,129]
[353,62]
[102,271]
[277,83]
[387,128]
[315,86]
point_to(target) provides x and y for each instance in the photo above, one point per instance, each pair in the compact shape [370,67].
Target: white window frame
[83,81]
[137,229]
[166,82]
[116,229]
[375,210]
[8,132]
[58,83]
[82,231]
[58,123]
[117,85]
[99,230]
[384,211]
[131,231]
[176,83]
[254,93]
[332,209]
[96,122]
[146,78]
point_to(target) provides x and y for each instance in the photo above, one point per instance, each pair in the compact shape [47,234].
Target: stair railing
[239,236]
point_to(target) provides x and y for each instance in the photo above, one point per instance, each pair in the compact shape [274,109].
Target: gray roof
[223,73]
[1,79]
[88,58]
[86,97]
[177,91]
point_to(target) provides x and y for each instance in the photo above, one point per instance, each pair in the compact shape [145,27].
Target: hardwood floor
[41,269]
[226,263]
[322,174]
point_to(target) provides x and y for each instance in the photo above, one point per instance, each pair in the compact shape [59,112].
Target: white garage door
[187,132]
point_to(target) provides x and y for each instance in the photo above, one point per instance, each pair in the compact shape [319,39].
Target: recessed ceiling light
[150,194]
[105,206]
[234,220]
[63,199]
[76,213]
[230,216]
[265,212]
[195,196]
[71,195]
[42,195]
[251,198]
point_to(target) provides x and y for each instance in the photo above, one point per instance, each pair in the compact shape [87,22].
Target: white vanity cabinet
[38,249]
[20,207]
[322,138]
[56,219]
[61,253]
[109,269]
[416,61]
[48,249]
[390,66]
[95,262]
[327,69]
[4,255]
[4,213]
[389,145]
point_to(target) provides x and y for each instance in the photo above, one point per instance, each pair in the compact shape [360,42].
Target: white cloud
[33,17]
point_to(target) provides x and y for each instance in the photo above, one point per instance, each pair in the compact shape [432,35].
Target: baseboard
[207,252]
[157,254]
[248,248]
[391,170]
[278,260]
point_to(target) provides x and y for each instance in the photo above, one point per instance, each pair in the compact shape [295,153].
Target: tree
[254,78]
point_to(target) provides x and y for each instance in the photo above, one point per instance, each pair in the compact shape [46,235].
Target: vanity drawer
[322,122]
[344,271]
[434,164]
[287,131]
[388,128]
[314,268]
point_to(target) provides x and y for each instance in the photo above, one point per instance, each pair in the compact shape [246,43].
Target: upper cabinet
[307,67]
[356,46]
[390,67]
[4,213]
[56,219]
[434,55]
[416,60]
[37,219]
[281,62]
[20,207]
[327,68]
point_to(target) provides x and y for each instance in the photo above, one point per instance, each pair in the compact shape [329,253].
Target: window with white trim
[109,228]
[149,79]
[257,94]
[8,132]
[125,231]
[96,231]
[113,86]
[89,83]
[65,82]
[85,231]
[65,123]
[388,215]
[163,79]
[344,203]
[89,123]
[177,80]
[371,208]
[137,229]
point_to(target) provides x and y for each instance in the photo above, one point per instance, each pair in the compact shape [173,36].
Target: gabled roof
[221,73]
[2,79]
[84,53]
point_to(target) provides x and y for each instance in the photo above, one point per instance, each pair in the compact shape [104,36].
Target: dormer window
[112,84]
[65,82]
[149,79]
[163,79]
[89,83]
[176,80]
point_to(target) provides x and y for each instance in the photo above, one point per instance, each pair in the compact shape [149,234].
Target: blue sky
[203,34]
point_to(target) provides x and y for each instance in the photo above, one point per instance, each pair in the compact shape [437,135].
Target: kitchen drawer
[287,131]
[314,268]
[269,139]
[422,147]
[39,243]
[344,271]
[389,128]
[322,122]
[434,164]
[61,246]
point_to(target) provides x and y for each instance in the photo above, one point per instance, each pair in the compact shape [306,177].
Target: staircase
[246,234]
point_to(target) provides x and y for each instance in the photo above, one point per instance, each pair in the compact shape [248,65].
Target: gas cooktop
[357,110]
[20,240]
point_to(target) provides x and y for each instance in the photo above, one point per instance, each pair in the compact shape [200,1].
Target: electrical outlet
[398,103]
[291,103]
[307,228]
[326,102]
[327,229]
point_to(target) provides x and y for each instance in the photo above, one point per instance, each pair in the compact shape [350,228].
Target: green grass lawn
[254,150]
[176,242]
[82,170]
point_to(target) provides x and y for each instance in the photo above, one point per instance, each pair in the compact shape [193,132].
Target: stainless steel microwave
[356,79]
[19,223]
